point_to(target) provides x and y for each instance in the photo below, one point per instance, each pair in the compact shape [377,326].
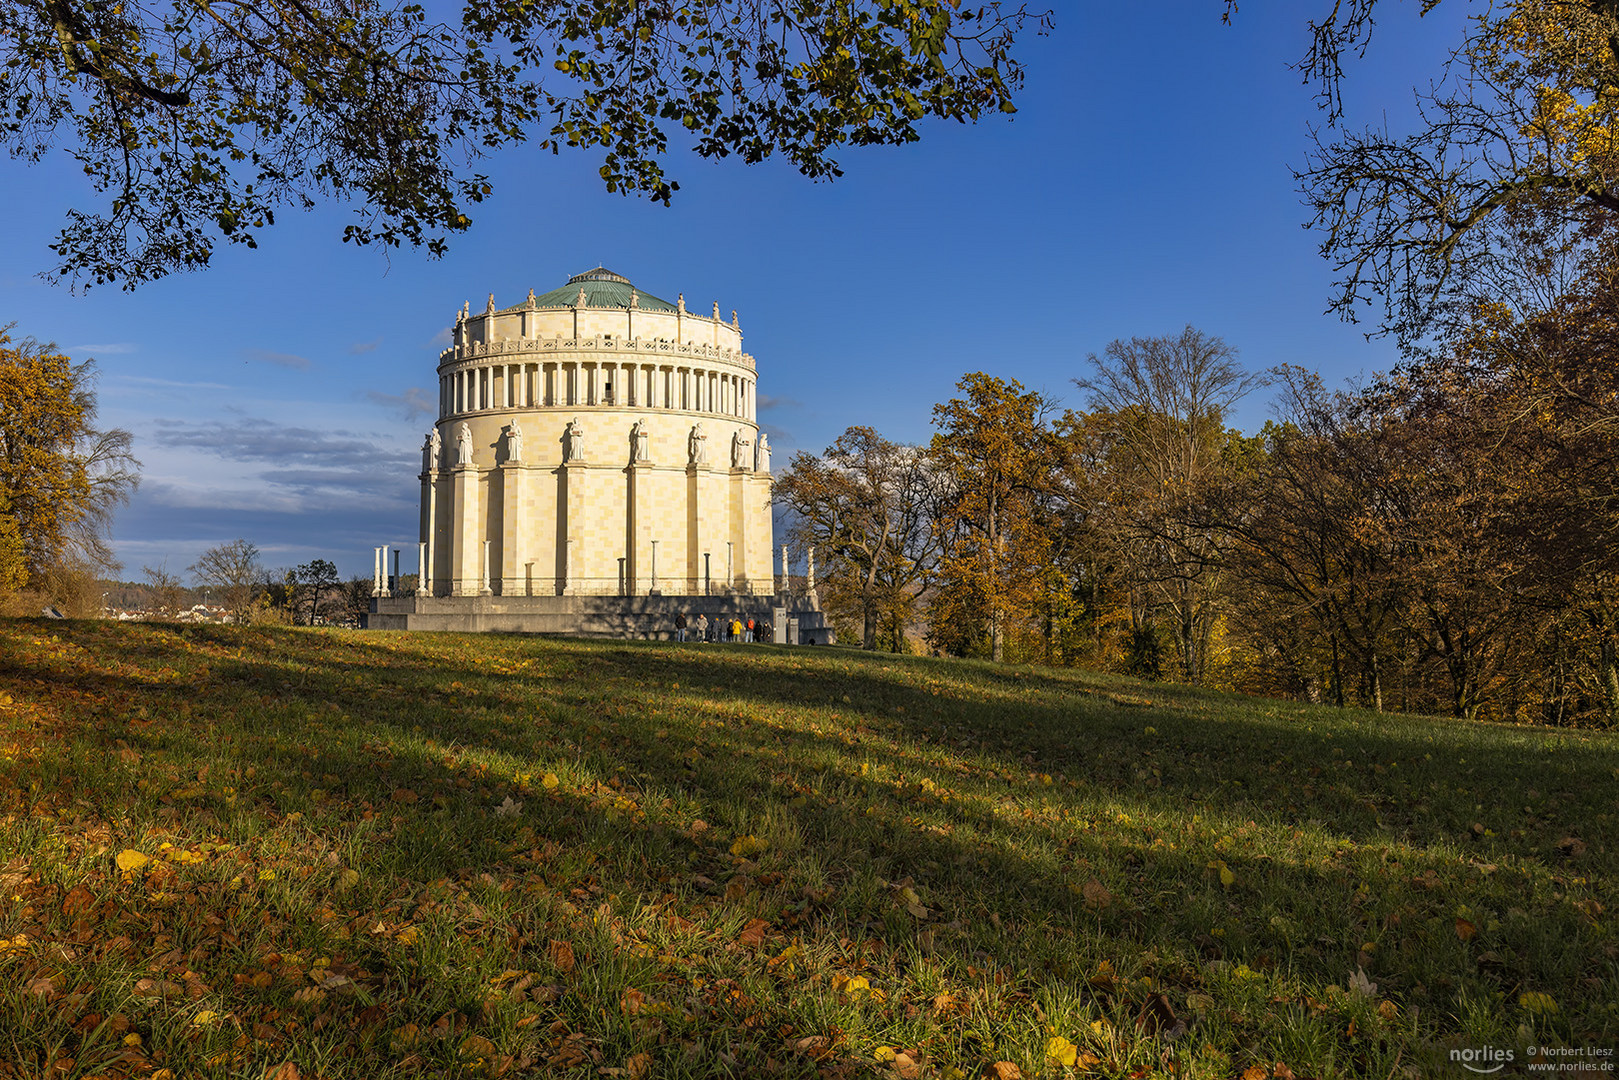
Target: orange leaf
[1003,1070]
[637,1065]
[1255,1072]
[477,1046]
[562,956]
[284,1071]
[1465,930]
[632,1002]
[753,933]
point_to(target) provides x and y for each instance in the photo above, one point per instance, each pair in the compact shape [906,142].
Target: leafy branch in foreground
[197,120]
[1526,113]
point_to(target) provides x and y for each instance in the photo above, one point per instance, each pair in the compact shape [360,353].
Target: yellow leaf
[885,1053]
[551,782]
[1227,878]
[408,935]
[204,1018]
[1536,1002]
[1059,1051]
[129,860]
[745,847]
[348,879]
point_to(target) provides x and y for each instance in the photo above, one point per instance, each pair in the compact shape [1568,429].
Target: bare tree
[235,571]
[165,591]
[1165,401]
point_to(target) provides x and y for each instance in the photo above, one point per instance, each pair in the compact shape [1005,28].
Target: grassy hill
[245,852]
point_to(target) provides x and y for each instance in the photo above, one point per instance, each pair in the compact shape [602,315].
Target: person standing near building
[680,626]
[702,627]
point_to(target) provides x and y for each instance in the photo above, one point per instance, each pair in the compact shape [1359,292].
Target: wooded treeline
[1442,539]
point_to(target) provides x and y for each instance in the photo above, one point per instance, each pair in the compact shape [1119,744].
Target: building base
[650,618]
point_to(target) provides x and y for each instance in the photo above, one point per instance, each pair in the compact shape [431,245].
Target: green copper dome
[602,289]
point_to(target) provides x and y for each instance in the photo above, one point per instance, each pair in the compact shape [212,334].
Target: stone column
[424,579]
[786,579]
[483,576]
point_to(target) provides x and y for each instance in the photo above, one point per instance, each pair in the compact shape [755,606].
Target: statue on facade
[573,442]
[463,445]
[761,454]
[739,451]
[514,441]
[639,439]
[697,446]
[490,310]
[430,450]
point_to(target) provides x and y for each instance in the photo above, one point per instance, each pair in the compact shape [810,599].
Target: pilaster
[466,533]
[514,554]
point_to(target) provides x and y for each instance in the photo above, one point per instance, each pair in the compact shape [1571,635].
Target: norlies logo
[1485,1059]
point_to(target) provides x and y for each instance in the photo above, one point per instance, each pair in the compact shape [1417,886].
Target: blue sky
[1144,184]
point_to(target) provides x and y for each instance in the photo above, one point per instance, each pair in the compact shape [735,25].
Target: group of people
[702,628]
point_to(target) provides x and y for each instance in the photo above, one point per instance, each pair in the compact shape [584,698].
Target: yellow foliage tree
[60,478]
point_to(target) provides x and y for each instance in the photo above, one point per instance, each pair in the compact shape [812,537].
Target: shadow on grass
[1002,795]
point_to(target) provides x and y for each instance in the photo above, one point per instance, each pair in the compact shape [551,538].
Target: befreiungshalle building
[597,464]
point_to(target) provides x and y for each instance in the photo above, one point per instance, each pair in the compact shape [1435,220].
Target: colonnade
[567,383]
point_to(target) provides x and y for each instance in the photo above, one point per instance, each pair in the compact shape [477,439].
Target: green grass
[715,845]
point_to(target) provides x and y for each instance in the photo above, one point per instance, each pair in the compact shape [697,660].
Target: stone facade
[596,441]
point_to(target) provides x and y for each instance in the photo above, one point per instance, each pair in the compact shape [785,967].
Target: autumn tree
[994,446]
[1527,111]
[867,505]
[197,123]
[234,570]
[1163,402]
[61,479]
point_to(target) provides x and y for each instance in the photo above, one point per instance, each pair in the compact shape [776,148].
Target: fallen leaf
[1465,930]
[1571,847]
[753,933]
[637,1066]
[1096,894]
[404,795]
[1227,878]
[632,1002]
[745,847]
[1360,985]
[1536,1002]
[562,956]
[285,1071]
[130,860]
[906,1067]
[1003,1070]
[551,782]
[1059,1051]
[477,1046]
[1256,1072]
[814,1046]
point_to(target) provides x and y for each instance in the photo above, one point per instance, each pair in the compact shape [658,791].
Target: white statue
[697,446]
[463,445]
[490,310]
[573,442]
[739,451]
[639,438]
[761,454]
[514,441]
